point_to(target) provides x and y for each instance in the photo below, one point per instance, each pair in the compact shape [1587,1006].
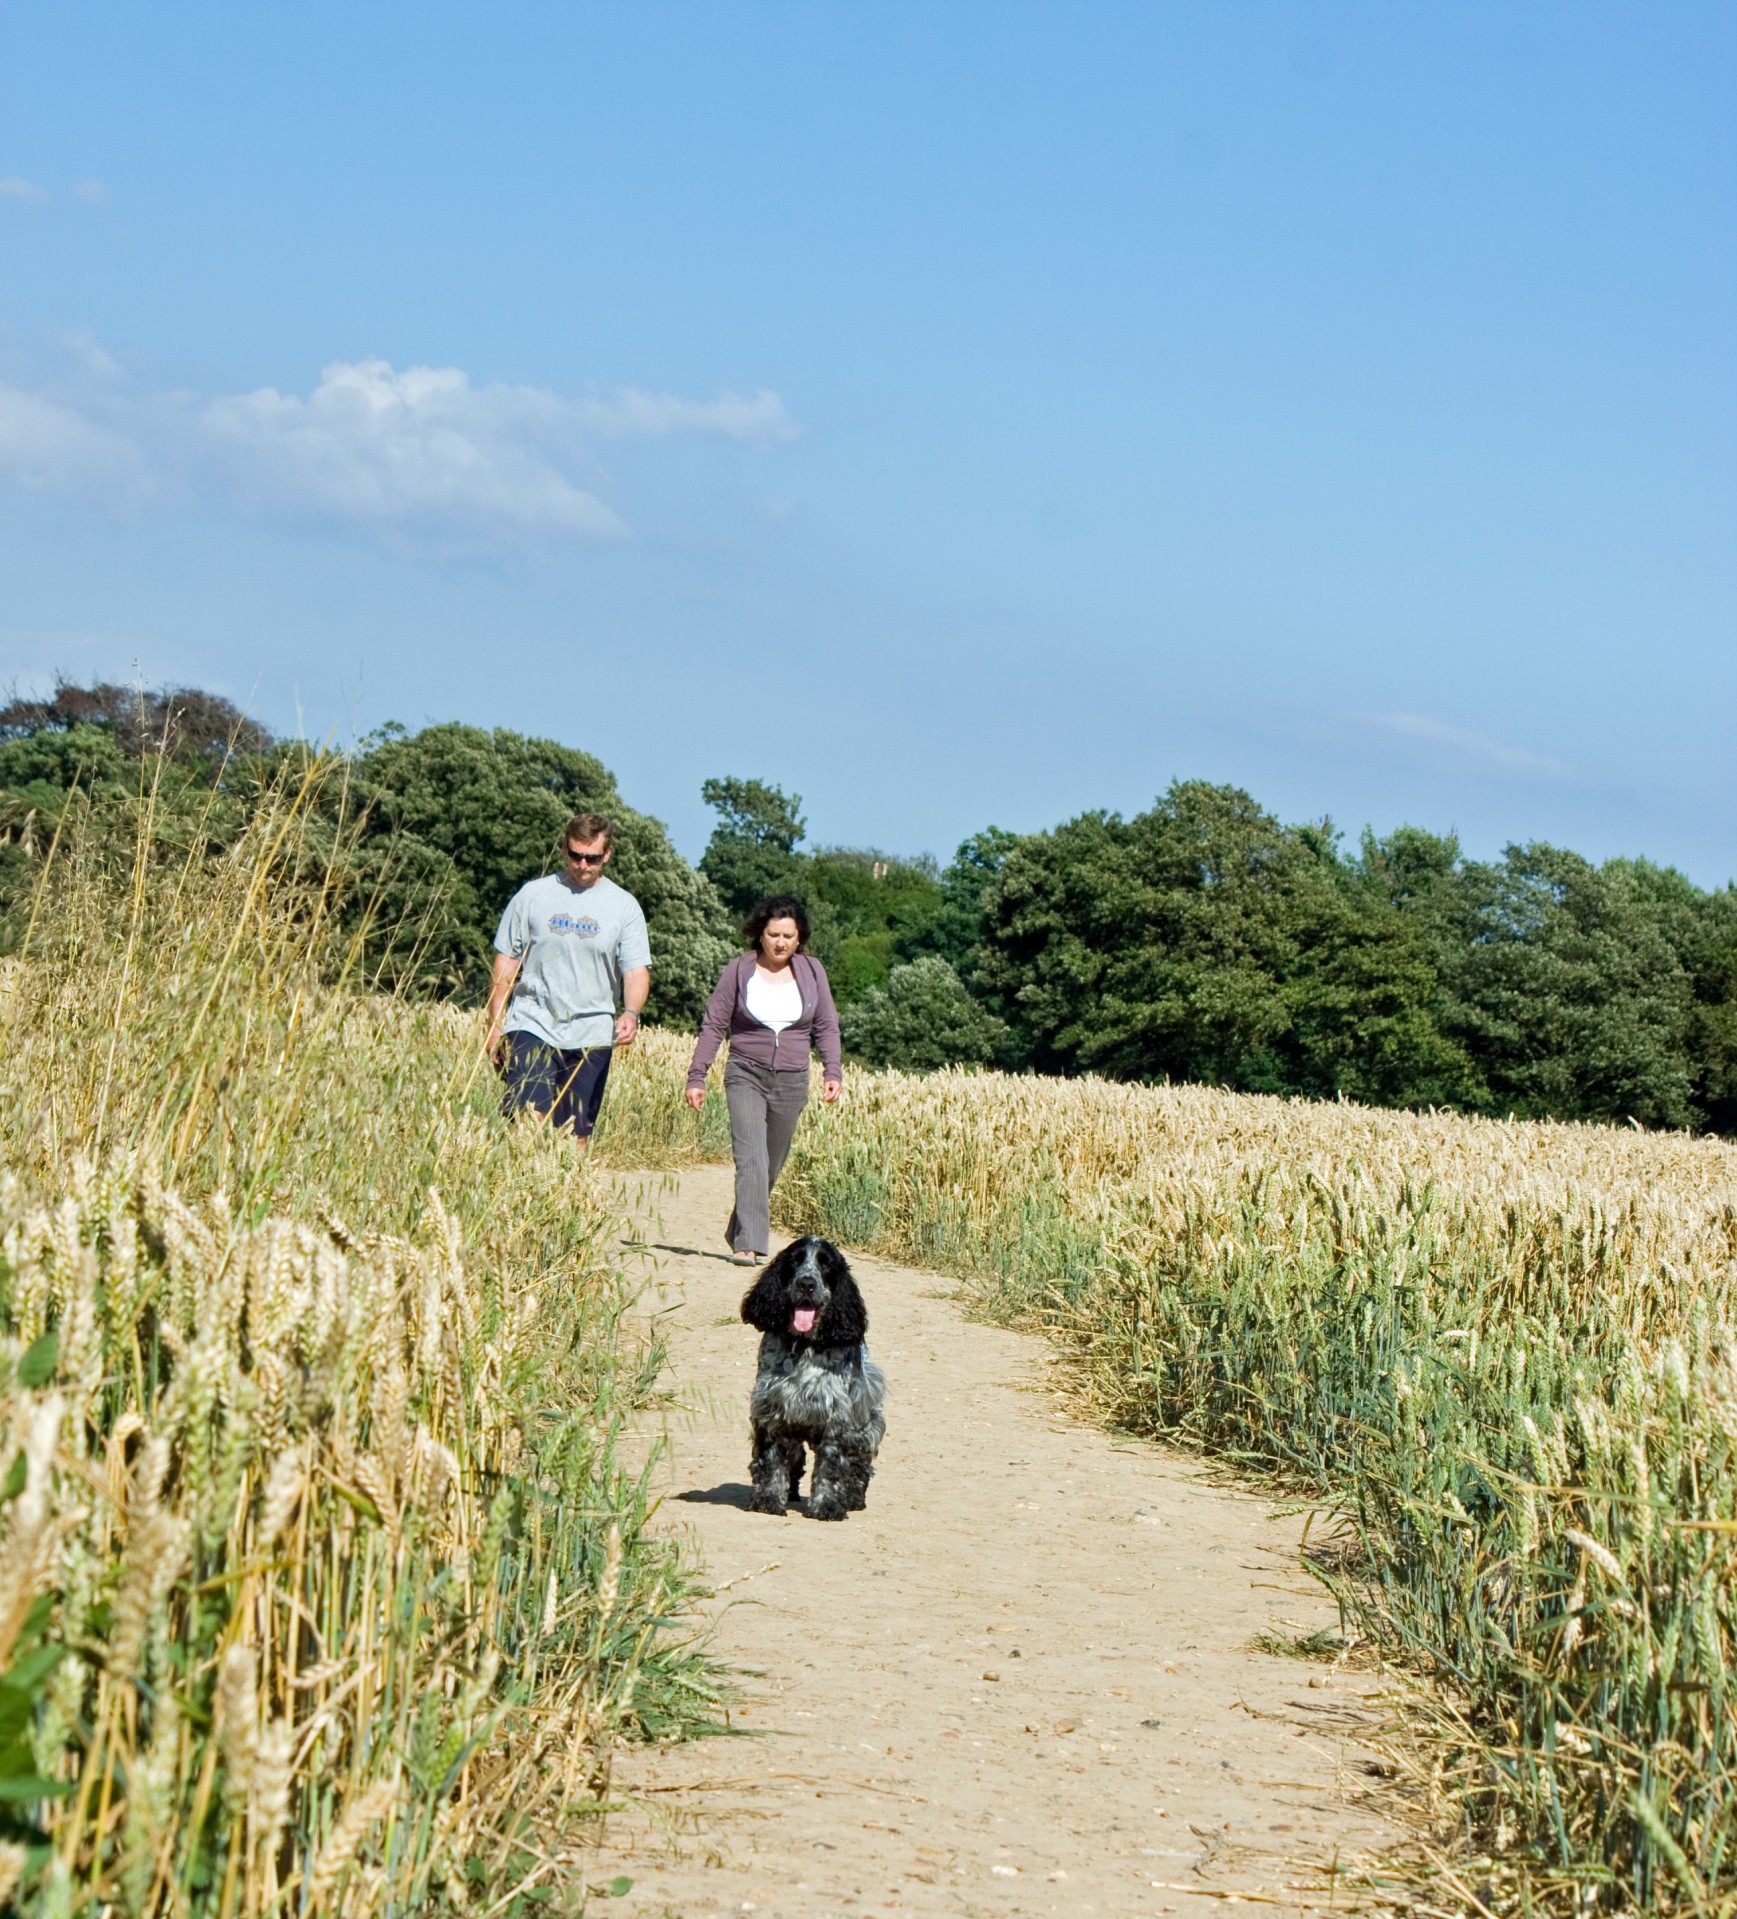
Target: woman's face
[779,941]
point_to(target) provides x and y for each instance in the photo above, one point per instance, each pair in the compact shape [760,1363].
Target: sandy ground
[1021,1682]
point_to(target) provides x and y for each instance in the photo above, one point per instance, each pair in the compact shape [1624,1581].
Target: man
[570,941]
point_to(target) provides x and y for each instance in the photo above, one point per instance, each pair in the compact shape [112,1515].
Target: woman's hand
[830,1090]
[695,1097]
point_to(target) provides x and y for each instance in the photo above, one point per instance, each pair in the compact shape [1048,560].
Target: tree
[1702,931]
[857,896]
[950,920]
[1364,995]
[1572,1001]
[752,851]
[859,899]
[1200,993]
[428,834]
[921,1019]
[1202,940]
[182,722]
[1054,915]
[191,759]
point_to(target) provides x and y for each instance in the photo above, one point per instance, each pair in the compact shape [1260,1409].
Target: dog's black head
[807,1293]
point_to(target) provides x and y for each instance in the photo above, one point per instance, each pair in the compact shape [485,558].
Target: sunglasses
[586,859]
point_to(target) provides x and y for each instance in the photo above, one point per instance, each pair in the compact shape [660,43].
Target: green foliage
[1205,941]
[1573,991]
[950,922]
[859,899]
[55,777]
[1569,993]
[181,723]
[921,1019]
[752,851]
[1702,931]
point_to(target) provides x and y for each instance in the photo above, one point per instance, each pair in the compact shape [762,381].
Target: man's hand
[830,1090]
[626,1026]
[695,1097]
[493,1043]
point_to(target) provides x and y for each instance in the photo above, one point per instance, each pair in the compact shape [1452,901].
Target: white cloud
[92,190]
[422,449]
[14,187]
[372,444]
[1470,745]
[759,420]
[49,447]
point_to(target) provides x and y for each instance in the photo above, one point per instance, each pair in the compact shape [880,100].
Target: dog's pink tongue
[803,1319]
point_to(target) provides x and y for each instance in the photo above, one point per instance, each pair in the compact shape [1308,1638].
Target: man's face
[586,860]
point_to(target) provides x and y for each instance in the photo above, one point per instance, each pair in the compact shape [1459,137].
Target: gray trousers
[764,1108]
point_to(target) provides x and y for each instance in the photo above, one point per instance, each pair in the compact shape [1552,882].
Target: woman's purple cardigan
[785,1052]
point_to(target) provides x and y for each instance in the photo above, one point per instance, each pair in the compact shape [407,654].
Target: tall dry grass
[646,1123]
[323,1586]
[1503,1352]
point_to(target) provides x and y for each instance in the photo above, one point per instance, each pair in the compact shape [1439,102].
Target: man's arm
[500,991]
[635,987]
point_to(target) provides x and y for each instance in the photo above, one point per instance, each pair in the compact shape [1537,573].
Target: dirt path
[1021,1682]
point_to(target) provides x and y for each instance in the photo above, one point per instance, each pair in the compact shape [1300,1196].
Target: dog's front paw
[769,1503]
[831,1507]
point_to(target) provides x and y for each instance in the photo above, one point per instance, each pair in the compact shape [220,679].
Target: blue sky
[959,414]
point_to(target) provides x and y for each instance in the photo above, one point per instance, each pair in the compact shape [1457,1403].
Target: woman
[774,1003]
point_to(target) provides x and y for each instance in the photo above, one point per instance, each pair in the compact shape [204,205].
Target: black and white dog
[816,1386]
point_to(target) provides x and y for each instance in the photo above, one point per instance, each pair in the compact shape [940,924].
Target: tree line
[1205,940]
[1202,939]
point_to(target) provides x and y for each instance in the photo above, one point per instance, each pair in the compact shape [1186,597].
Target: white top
[774,1002]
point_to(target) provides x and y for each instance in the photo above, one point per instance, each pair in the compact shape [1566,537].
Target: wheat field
[323,1586]
[1501,1353]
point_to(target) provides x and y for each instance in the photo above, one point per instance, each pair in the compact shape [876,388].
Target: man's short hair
[588,826]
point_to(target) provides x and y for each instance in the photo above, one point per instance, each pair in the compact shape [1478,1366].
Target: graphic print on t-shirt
[587,928]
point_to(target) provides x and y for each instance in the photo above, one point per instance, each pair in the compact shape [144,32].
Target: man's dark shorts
[566,1086]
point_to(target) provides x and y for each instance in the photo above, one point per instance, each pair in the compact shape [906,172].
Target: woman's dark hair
[781,906]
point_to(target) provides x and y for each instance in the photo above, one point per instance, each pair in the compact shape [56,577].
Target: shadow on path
[728,1494]
[692,1252]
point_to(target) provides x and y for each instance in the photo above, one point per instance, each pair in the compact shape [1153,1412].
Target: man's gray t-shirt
[574,943]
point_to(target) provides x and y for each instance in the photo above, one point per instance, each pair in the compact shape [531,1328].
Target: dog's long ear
[766,1304]
[845,1322]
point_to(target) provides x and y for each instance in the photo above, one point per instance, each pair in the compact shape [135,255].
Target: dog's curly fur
[816,1385]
